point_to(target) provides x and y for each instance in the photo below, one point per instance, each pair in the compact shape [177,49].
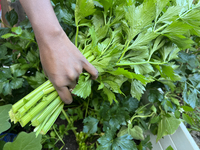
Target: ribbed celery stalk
[37,121]
[49,90]
[21,102]
[33,112]
[52,119]
[28,105]
[40,127]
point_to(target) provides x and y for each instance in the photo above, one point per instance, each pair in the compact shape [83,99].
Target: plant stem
[161,28]
[141,116]
[139,63]
[87,107]
[76,40]
[124,51]
[66,116]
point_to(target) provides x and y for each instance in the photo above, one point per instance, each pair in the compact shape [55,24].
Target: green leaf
[105,141]
[4,31]
[16,83]
[136,132]
[140,17]
[12,46]
[160,6]
[90,125]
[187,108]
[4,117]
[25,141]
[17,30]
[180,40]
[12,17]
[190,96]
[192,17]
[130,104]
[167,125]
[6,88]
[32,57]
[83,88]
[110,95]
[122,131]
[169,148]
[83,9]
[37,80]
[145,144]
[188,119]
[124,142]
[137,89]
[122,71]
[106,4]
[8,35]
[63,15]
[177,114]
[177,28]
[3,52]
[170,15]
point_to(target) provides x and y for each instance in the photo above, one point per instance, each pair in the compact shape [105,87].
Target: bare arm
[61,60]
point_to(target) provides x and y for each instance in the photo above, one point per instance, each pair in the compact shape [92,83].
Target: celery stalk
[21,102]
[28,105]
[39,128]
[40,106]
[52,119]
[46,112]
[49,90]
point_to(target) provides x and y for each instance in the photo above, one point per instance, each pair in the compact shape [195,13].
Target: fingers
[65,95]
[91,70]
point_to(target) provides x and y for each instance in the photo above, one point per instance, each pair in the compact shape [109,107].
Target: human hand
[63,63]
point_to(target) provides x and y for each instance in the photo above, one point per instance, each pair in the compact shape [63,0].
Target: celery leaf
[83,88]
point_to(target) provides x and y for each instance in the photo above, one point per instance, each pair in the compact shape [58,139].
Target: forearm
[42,17]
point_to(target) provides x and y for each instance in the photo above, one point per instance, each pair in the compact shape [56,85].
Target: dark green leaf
[6,88]
[12,17]
[16,83]
[3,52]
[90,125]
[124,142]
[36,80]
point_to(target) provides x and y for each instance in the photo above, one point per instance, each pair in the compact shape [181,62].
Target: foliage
[147,56]
[25,141]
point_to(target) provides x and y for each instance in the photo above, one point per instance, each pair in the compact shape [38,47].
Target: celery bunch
[42,107]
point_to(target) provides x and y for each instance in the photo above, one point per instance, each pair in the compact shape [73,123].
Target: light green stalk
[24,100]
[52,119]
[46,112]
[33,112]
[40,127]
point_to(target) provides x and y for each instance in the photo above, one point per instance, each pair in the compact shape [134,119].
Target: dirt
[70,139]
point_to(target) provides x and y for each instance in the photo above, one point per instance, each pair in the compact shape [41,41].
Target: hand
[63,63]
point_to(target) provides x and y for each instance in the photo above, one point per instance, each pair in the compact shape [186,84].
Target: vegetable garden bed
[147,56]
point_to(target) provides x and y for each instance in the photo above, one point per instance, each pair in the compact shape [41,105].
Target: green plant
[147,56]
